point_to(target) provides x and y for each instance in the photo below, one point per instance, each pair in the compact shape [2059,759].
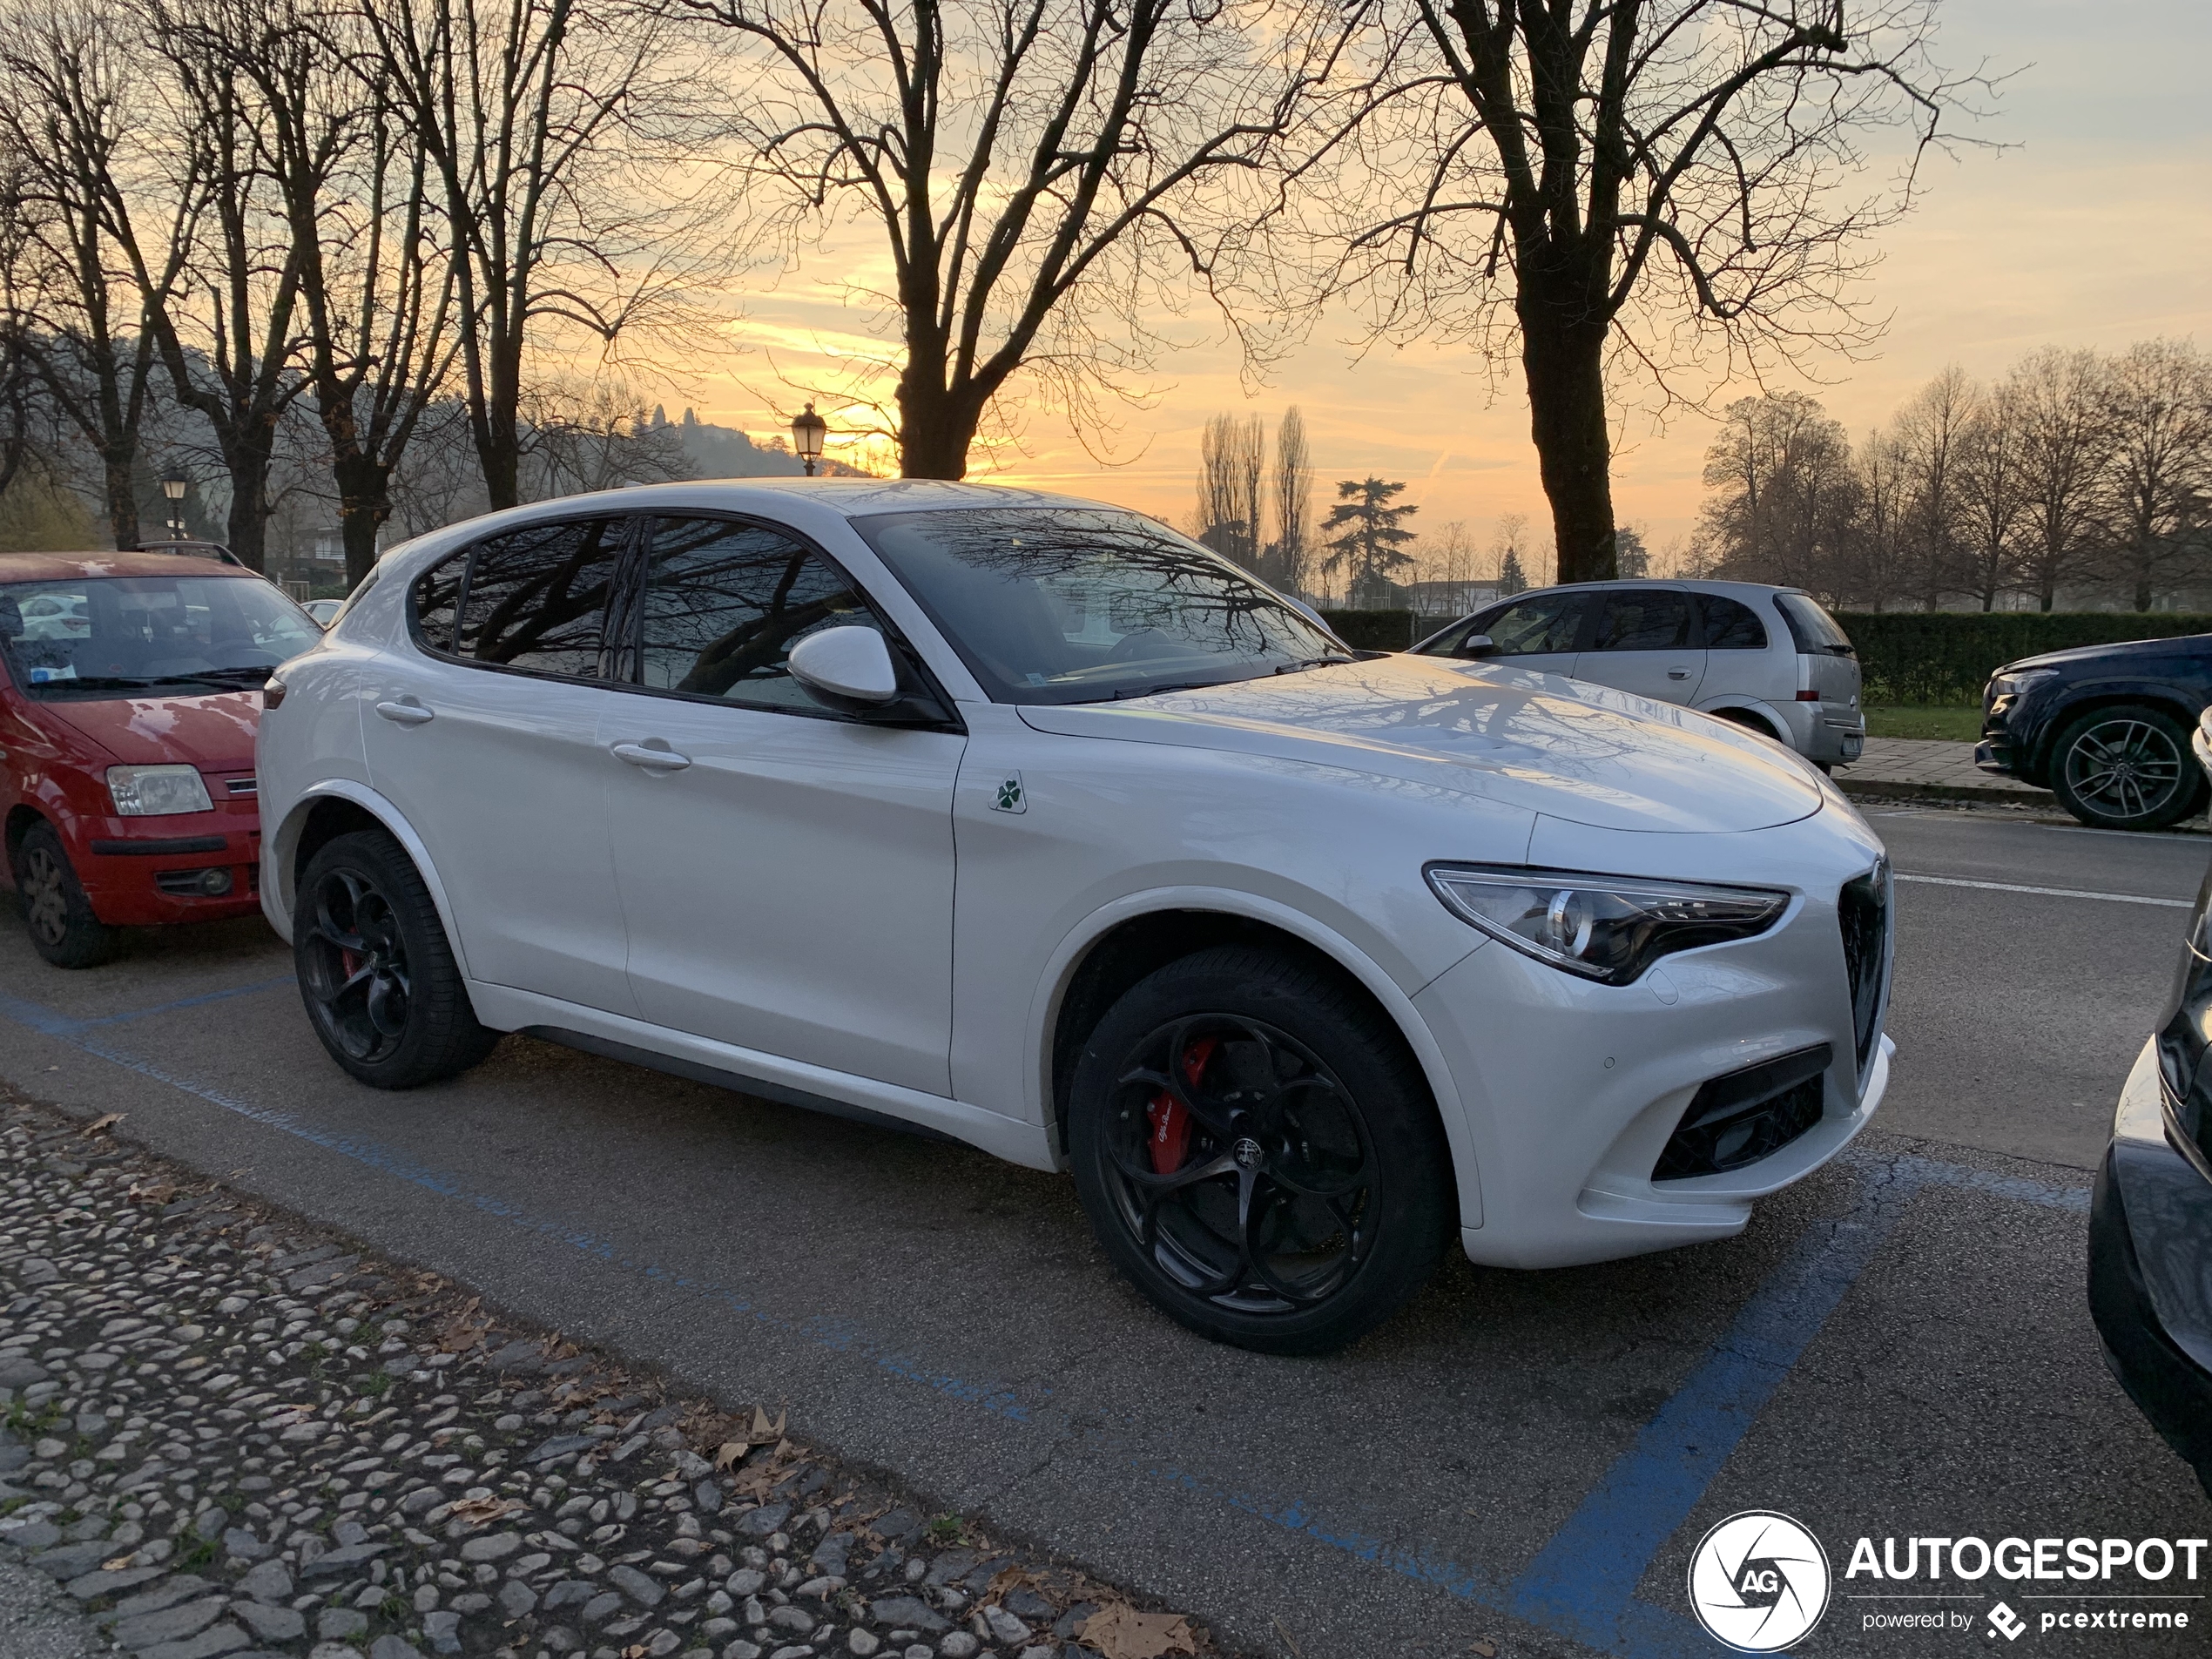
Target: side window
[1643,619]
[1532,626]
[436,601]
[1448,643]
[537,598]
[1731,626]
[723,603]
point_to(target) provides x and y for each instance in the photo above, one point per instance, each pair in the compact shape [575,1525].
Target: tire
[1301,1111]
[63,928]
[2129,767]
[379,979]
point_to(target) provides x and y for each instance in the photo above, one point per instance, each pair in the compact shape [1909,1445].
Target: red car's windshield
[106,637]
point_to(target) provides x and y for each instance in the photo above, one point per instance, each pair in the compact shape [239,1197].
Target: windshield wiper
[1314,662]
[1172,685]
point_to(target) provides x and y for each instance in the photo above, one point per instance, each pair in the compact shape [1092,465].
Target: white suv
[1029,822]
[1767,659]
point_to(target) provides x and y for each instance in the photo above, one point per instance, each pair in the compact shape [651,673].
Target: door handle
[405,711]
[652,758]
[1677,673]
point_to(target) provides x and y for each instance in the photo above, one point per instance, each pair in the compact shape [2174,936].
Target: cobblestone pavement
[229,1434]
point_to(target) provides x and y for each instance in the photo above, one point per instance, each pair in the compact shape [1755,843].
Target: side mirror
[847,669]
[1475,645]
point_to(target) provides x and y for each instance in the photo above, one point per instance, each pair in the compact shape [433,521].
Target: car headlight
[1602,928]
[155,792]
[2012,682]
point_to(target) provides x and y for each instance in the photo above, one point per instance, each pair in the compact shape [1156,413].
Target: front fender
[279,850]
[2078,699]
[1053,986]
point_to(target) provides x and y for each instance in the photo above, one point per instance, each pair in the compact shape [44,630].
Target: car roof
[852,497]
[1694,583]
[60,567]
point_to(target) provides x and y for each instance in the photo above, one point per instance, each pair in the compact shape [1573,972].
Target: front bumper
[146,872]
[2150,1271]
[1573,1090]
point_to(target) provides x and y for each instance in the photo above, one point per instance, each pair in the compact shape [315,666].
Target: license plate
[1853,746]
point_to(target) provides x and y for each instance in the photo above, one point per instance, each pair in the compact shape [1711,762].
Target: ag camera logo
[1758,1582]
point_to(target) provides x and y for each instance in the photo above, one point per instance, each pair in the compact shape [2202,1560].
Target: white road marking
[2048,893]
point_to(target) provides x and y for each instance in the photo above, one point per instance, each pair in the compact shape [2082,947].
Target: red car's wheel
[63,930]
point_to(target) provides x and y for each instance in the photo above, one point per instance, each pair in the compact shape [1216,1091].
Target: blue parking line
[1581,1584]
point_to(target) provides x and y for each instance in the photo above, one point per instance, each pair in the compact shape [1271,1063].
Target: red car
[127,716]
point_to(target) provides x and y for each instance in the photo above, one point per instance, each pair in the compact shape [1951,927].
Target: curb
[1892,789]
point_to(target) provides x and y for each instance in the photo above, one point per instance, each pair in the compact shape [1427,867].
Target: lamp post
[174,487]
[807,430]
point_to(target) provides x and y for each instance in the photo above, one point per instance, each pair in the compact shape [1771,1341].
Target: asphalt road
[1897,1346]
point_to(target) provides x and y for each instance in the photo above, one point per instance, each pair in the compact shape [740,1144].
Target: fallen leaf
[477,1511]
[160,1193]
[727,1453]
[1120,1632]
[117,1565]
[462,1331]
[1295,1651]
[763,1431]
[1484,1649]
[103,1124]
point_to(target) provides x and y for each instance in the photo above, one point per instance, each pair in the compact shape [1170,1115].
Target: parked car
[1769,659]
[126,720]
[1029,822]
[2150,1218]
[325,611]
[2105,728]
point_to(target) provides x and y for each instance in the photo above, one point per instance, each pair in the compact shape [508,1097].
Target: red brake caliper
[1170,1138]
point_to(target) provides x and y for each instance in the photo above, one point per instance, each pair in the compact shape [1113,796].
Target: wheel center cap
[1248,1154]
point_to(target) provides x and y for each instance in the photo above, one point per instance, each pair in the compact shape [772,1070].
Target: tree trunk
[364,503]
[122,499]
[1564,364]
[249,520]
[935,426]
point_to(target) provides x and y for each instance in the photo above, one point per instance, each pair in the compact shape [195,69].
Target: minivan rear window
[1816,633]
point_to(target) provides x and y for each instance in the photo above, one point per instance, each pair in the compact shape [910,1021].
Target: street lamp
[174,488]
[807,430]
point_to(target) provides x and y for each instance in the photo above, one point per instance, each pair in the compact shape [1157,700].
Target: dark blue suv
[2105,728]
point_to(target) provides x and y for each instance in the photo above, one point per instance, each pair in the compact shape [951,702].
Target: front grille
[1744,1115]
[244,786]
[1862,909]
[186,884]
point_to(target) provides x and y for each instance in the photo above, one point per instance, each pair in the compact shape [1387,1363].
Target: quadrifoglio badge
[1760,1581]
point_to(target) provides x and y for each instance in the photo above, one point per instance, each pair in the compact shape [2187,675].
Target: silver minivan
[1768,659]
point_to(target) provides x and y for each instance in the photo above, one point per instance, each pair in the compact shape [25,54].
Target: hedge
[1945,657]
[1908,656]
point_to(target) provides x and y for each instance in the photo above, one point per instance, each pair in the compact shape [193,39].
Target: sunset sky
[2091,230]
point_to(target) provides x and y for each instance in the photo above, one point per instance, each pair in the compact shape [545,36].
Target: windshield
[1082,605]
[85,638]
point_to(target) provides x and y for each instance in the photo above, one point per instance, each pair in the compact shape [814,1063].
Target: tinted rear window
[1816,633]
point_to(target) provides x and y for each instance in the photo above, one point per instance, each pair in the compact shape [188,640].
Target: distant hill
[724,452]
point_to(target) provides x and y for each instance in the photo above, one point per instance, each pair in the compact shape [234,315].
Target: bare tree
[2157,438]
[1040,176]
[352,179]
[2057,396]
[73,99]
[1931,431]
[1231,463]
[1653,177]
[592,435]
[1293,492]
[223,328]
[1993,500]
[1781,494]
[541,122]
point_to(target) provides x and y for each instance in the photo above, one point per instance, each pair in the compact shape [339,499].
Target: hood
[2177,645]
[214,733]
[1538,741]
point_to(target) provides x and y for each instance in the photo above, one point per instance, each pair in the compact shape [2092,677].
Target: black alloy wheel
[1258,1153]
[63,928]
[2128,767]
[381,987]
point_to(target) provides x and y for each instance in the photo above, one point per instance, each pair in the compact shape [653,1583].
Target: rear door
[1645,642]
[483,730]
